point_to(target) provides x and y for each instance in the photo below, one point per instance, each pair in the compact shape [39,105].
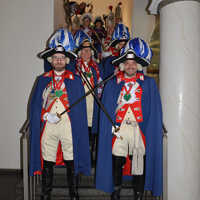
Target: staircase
[86,190]
[30,188]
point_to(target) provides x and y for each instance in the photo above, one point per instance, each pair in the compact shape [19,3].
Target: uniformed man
[87,67]
[133,102]
[120,36]
[55,138]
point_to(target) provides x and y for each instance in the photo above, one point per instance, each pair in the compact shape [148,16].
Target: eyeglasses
[58,57]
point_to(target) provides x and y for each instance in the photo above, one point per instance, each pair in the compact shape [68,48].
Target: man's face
[130,68]
[86,54]
[120,45]
[58,61]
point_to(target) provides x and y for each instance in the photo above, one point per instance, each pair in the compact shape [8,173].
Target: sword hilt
[117,128]
[58,115]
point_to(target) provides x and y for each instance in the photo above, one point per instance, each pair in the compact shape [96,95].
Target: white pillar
[180,93]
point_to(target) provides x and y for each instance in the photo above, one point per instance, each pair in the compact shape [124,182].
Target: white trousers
[89,103]
[131,144]
[53,133]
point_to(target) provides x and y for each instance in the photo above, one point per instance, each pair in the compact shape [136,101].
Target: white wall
[25,26]
[142,23]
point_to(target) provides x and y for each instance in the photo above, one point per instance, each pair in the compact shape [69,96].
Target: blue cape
[96,109]
[108,67]
[151,128]
[77,114]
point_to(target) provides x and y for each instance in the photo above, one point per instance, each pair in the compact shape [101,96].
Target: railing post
[25,154]
[165,164]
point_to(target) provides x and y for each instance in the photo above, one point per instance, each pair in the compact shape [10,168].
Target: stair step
[85,194]
[60,181]
[87,190]
[83,198]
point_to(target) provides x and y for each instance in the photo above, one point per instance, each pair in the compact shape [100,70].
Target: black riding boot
[47,180]
[138,195]
[72,180]
[118,162]
[116,194]
[92,143]
[138,184]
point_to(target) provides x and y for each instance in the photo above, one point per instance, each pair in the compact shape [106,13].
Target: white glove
[117,134]
[51,118]
[100,88]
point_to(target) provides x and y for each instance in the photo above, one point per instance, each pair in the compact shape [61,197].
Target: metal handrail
[165,131]
[25,143]
[25,127]
[165,163]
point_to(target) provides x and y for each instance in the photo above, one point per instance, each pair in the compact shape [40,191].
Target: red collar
[91,63]
[128,80]
[120,77]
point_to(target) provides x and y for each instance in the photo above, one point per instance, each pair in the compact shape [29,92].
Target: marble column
[180,93]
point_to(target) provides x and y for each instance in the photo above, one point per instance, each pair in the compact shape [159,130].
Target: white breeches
[53,133]
[131,144]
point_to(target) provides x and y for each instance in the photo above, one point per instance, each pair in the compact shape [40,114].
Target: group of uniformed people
[78,99]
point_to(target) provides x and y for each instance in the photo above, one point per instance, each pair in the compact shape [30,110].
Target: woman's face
[86,22]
